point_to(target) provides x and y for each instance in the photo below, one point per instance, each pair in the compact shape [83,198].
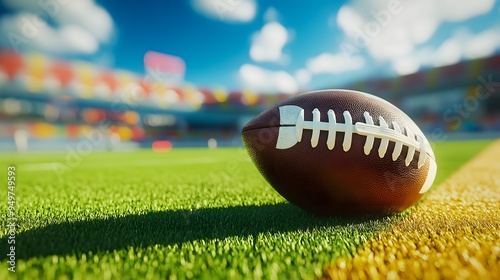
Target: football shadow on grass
[176,227]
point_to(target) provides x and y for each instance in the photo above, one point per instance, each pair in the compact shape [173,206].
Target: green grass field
[189,213]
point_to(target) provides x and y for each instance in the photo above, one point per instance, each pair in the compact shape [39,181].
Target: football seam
[292,124]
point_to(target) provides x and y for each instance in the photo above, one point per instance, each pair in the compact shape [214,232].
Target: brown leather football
[341,152]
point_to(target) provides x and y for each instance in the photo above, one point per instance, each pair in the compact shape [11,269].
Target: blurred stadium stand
[460,100]
[50,103]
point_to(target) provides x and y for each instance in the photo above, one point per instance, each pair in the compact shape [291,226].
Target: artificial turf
[188,213]
[452,234]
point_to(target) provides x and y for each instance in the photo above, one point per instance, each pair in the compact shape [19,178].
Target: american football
[341,152]
[250,139]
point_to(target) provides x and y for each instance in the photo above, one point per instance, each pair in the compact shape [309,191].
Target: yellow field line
[454,233]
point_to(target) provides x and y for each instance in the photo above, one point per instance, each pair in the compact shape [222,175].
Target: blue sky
[266,46]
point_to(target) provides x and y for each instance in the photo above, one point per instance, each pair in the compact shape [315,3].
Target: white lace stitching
[292,117]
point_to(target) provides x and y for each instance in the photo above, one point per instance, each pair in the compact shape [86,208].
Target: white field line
[131,163]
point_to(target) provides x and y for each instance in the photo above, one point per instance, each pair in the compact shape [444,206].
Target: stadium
[134,167]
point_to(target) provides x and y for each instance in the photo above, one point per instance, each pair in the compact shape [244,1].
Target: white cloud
[448,53]
[466,45]
[452,10]
[84,13]
[271,14]
[461,45]
[268,43]
[66,39]
[78,26]
[264,80]
[232,11]
[483,44]
[327,63]
[303,76]
[391,29]
[405,66]
[334,63]
[348,19]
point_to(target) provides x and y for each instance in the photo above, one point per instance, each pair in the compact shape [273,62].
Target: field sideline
[453,234]
[189,213]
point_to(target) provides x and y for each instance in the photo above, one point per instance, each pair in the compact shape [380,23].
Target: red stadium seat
[62,72]
[11,63]
[109,80]
[235,98]
[209,98]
